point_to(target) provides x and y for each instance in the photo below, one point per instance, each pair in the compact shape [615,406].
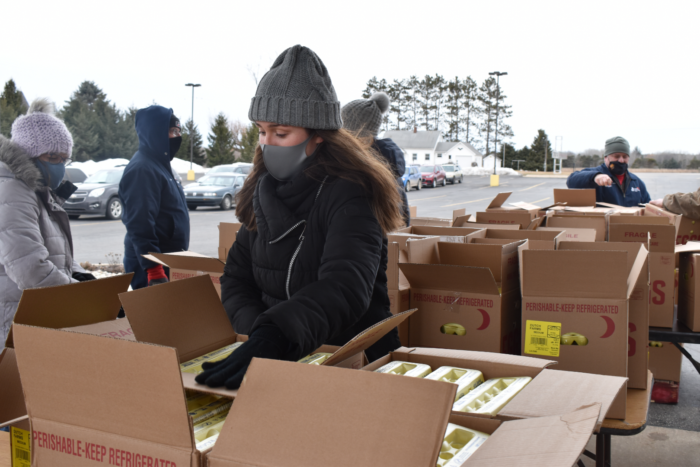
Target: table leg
[600,450]
[608,450]
[688,356]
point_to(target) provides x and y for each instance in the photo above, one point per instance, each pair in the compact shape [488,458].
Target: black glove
[157,281]
[265,342]
[83,276]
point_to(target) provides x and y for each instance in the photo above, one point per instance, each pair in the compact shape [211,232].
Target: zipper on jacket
[291,262]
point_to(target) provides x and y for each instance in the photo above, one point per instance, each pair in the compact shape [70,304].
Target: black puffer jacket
[315,267]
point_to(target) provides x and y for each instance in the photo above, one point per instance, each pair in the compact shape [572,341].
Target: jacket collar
[16,163]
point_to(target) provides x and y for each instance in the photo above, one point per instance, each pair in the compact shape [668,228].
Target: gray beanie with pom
[297,91]
[40,132]
[364,116]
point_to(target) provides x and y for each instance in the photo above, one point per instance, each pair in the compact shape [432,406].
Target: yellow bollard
[494,180]
[190,175]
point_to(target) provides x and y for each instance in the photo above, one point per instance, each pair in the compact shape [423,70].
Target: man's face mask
[284,162]
[53,173]
[175,146]
[617,168]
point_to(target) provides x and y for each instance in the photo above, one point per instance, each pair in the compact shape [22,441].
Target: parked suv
[433,175]
[453,173]
[411,178]
[214,190]
[98,194]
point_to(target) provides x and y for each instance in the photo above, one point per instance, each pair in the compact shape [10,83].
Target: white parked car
[453,172]
[237,167]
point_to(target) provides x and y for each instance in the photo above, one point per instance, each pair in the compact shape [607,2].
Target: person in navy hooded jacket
[612,180]
[155,211]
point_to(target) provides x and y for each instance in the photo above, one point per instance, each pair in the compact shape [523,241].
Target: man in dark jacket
[155,210]
[364,117]
[612,180]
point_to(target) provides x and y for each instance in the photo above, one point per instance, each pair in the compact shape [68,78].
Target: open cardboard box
[446,234]
[401,422]
[687,229]
[472,285]
[580,298]
[227,236]
[90,307]
[189,316]
[638,340]
[665,361]
[689,286]
[521,214]
[572,234]
[537,239]
[661,236]
[186,264]
[13,412]
[551,392]
[569,221]
[459,217]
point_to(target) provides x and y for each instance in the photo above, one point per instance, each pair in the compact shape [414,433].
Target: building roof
[445,146]
[411,140]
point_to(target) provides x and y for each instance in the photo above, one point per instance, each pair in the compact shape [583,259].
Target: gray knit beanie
[617,144]
[364,116]
[297,91]
[39,131]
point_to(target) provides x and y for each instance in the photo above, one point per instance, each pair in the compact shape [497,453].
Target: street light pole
[498,75]
[191,172]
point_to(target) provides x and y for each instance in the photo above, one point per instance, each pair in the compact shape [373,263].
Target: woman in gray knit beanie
[308,267]
[36,247]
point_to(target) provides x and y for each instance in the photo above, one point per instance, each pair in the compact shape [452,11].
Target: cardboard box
[665,361]
[297,407]
[227,236]
[496,213]
[537,239]
[638,340]
[581,292]
[12,408]
[688,288]
[573,234]
[76,304]
[164,315]
[413,210]
[186,264]
[446,234]
[564,222]
[459,219]
[570,197]
[661,260]
[129,403]
[475,286]
[687,229]
[551,392]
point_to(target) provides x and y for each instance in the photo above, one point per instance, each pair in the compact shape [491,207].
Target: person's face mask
[53,173]
[284,162]
[175,146]
[617,168]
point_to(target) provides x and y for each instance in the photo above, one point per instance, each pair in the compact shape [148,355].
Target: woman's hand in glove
[265,342]
[83,276]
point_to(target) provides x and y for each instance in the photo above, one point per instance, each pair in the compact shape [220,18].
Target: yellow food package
[416,370]
[209,428]
[207,443]
[458,445]
[465,379]
[573,338]
[198,400]
[316,359]
[195,365]
[210,410]
[492,396]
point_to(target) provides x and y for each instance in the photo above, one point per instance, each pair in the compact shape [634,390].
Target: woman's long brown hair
[340,155]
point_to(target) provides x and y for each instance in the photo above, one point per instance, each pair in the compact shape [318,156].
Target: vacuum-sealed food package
[195,365]
[465,379]
[416,370]
[197,400]
[458,445]
[492,396]
[205,412]
[208,429]
[316,359]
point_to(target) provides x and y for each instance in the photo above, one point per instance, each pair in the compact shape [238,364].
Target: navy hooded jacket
[636,191]
[155,210]
[393,154]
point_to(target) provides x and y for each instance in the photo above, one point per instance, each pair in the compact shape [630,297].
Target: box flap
[575,197]
[556,392]
[11,395]
[126,388]
[431,221]
[513,217]
[498,201]
[660,238]
[526,206]
[632,248]
[572,234]
[188,260]
[461,221]
[450,278]
[479,255]
[185,314]
[580,222]
[118,328]
[640,264]
[576,274]
[76,304]
[478,226]
[442,231]
[457,213]
[368,337]
[543,442]
[648,220]
[320,416]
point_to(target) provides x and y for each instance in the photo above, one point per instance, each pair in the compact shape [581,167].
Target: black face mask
[175,146]
[618,168]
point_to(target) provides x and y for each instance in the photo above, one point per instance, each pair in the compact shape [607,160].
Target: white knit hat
[40,132]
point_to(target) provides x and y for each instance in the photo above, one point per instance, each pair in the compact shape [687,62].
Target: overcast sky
[585,71]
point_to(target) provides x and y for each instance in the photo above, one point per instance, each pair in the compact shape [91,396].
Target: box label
[21,447]
[542,338]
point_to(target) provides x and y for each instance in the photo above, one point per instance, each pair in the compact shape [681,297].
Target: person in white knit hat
[36,247]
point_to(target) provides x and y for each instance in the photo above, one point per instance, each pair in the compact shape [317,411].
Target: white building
[429,147]
[488,161]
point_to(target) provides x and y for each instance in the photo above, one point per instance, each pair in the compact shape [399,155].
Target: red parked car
[433,175]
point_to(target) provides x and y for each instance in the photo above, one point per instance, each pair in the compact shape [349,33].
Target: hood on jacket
[152,126]
[18,164]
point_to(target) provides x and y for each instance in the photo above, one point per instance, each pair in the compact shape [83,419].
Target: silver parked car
[214,190]
[98,194]
[237,167]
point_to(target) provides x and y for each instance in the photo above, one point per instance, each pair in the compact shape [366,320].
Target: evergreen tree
[192,136]
[425,102]
[492,106]
[412,102]
[455,94]
[535,157]
[470,109]
[694,163]
[510,155]
[249,141]
[398,93]
[438,98]
[12,105]
[221,142]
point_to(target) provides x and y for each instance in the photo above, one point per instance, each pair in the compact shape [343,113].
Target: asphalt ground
[95,238]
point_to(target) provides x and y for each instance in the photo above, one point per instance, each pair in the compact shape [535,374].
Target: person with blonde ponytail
[308,267]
